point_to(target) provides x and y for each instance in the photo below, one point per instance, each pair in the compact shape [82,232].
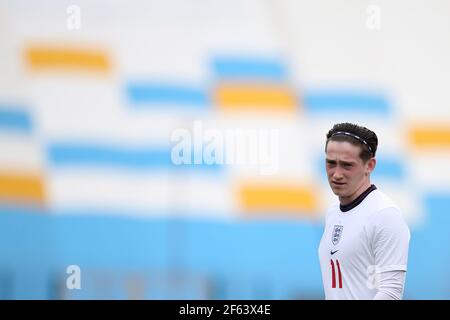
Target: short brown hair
[356,135]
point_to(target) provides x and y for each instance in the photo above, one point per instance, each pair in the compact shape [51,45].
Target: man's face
[348,175]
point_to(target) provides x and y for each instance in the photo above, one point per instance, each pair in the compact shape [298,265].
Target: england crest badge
[337,232]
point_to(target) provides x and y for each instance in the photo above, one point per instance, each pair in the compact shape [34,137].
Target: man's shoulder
[379,201]
[384,210]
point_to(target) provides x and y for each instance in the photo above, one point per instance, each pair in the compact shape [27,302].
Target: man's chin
[338,192]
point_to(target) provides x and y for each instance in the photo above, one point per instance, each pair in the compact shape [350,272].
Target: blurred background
[99,100]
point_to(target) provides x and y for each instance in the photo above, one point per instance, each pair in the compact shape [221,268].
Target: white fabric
[374,239]
[390,285]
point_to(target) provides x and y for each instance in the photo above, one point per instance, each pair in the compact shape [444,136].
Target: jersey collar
[357,201]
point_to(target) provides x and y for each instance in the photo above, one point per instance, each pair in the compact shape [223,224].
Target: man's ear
[371,163]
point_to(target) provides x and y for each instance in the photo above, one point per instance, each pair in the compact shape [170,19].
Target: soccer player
[364,248]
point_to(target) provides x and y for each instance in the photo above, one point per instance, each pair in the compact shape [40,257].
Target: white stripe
[131,193]
[105,189]
[20,153]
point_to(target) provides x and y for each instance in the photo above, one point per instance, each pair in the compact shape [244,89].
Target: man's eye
[347,165]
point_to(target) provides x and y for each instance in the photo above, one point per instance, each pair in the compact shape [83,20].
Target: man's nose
[337,174]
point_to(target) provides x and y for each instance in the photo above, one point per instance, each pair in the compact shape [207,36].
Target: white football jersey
[369,237]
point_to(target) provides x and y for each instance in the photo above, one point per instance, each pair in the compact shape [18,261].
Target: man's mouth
[337,183]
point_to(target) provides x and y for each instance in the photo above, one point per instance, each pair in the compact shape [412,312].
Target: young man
[364,248]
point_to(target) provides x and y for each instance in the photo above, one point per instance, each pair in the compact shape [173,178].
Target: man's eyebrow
[343,162]
[347,162]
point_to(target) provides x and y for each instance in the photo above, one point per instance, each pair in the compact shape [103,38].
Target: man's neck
[346,200]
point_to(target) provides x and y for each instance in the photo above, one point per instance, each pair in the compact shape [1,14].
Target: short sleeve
[390,240]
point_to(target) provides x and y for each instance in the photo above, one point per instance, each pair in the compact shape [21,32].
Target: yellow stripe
[430,136]
[279,198]
[21,188]
[255,97]
[41,58]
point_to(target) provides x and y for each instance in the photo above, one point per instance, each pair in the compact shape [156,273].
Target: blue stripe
[155,94]
[73,154]
[341,101]
[239,259]
[96,155]
[15,119]
[429,250]
[389,168]
[241,241]
[248,68]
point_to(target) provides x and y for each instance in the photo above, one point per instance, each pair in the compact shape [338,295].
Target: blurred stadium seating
[91,93]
